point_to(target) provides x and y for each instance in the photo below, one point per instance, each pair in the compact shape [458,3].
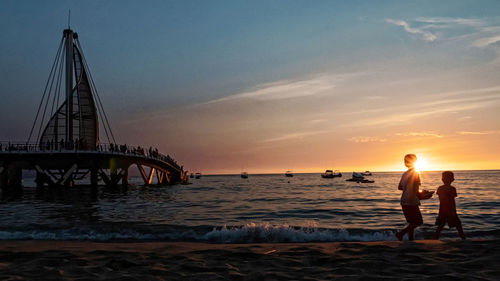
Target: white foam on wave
[249,233]
[284,233]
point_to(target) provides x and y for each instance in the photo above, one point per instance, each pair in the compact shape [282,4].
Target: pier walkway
[62,166]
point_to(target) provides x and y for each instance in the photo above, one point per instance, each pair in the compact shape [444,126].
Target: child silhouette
[409,184]
[447,207]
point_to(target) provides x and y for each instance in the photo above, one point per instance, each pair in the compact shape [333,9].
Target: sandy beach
[422,260]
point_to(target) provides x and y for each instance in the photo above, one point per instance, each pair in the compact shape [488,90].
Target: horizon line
[393,171]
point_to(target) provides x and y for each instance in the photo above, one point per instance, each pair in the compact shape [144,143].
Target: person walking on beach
[447,207]
[409,184]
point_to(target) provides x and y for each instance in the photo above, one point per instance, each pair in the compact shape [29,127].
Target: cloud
[420,134]
[486,41]
[287,89]
[448,22]
[401,118]
[437,103]
[291,136]
[367,139]
[479,33]
[426,35]
[375,97]
[464,118]
[315,121]
[478,132]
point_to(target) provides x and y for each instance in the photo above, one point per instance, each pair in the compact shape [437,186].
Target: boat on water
[191,175]
[244,175]
[329,174]
[197,175]
[359,178]
[366,173]
[288,174]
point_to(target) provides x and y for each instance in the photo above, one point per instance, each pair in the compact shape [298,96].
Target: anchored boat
[329,174]
[359,178]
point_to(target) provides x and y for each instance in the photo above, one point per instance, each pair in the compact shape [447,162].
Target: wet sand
[422,260]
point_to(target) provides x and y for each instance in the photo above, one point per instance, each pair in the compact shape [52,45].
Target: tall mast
[68,33]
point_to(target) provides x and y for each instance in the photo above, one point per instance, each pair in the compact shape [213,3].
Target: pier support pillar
[67,178]
[125,177]
[3,181]
[12,182]
[93,177]
[166,178]
[40,182]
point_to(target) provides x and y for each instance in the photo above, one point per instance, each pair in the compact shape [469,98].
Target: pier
[67,149]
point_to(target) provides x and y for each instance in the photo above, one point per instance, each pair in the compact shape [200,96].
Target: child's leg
[439,229]
[411,229]
[461,231]
[402,233]
[411,236]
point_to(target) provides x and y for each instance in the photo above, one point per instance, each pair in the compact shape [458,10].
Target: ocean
[262,208]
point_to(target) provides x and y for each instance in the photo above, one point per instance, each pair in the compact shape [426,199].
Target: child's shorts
[412,214]
[452,220]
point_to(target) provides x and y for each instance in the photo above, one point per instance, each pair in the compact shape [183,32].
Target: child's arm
[417,180]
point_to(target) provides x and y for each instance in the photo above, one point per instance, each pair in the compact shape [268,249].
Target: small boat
[197,175]
[244,175]
[329,174]
[288,174]
[191,175]
[359,178]
[367,173]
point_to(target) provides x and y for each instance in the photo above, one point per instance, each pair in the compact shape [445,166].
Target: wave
[267,233]
[249,233]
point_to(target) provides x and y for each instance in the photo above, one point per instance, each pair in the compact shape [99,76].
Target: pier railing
[105,148]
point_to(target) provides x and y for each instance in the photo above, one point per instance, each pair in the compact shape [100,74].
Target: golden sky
[352,121]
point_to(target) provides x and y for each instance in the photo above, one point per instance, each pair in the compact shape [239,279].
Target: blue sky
[215,81]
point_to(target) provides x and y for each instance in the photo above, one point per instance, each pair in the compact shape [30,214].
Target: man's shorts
[412,214]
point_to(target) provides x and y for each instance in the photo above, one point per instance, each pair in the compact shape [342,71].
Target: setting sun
[421,164]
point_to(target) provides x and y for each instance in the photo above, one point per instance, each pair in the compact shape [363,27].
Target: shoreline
[421,259]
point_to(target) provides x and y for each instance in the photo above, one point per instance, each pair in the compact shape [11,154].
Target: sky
[270,86]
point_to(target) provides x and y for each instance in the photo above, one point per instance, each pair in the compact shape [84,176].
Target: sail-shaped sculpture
[75,122]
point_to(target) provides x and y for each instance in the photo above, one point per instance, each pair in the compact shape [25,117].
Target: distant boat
[288,174]
[329,174]
[191,175]
[367,173]
[359,178]
[244,175]
[197,175]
